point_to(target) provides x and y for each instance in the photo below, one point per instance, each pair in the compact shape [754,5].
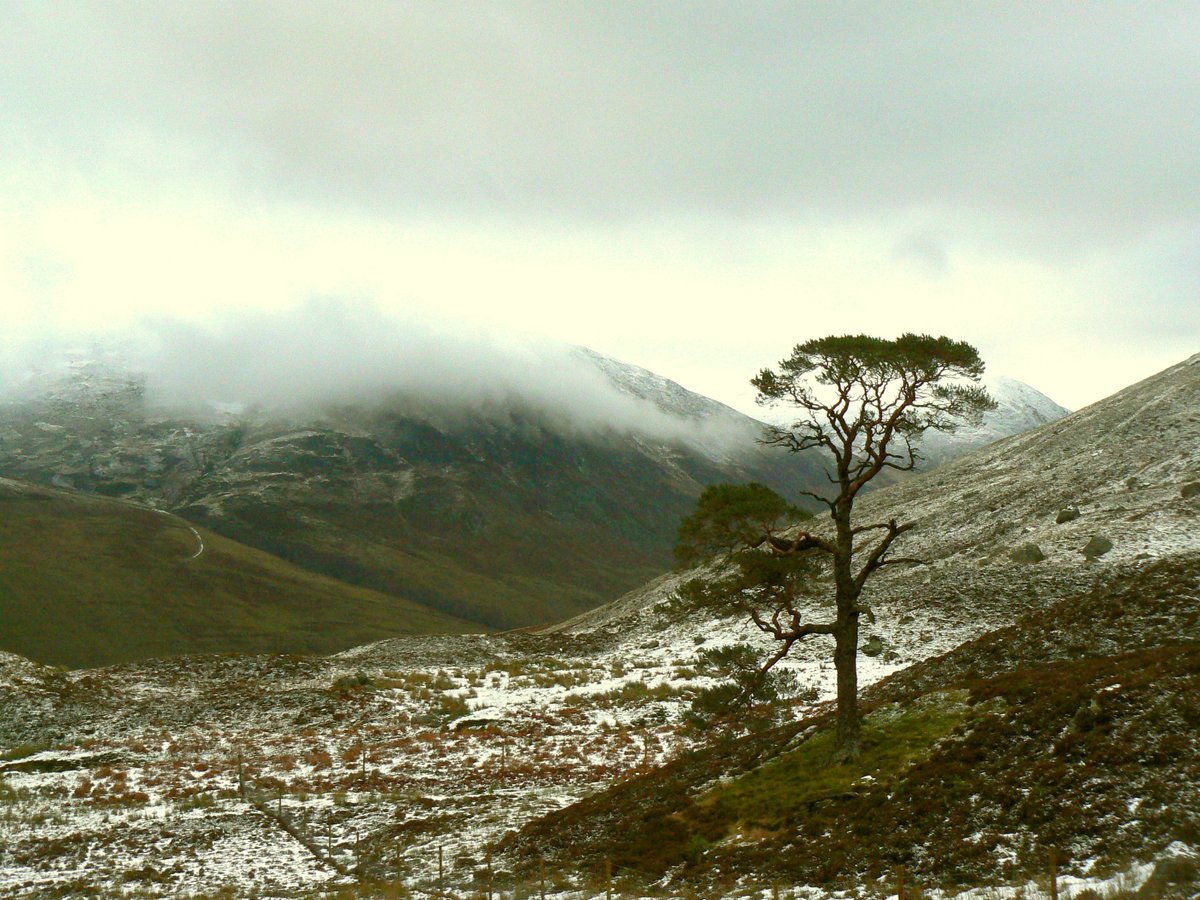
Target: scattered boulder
[1096,547]
[1027,553]
[1067,514]
[1190,490]
[872,646]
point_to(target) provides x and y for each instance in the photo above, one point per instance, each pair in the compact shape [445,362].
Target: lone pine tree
[862,402]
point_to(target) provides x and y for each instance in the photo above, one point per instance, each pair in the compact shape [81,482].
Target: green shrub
[743,689]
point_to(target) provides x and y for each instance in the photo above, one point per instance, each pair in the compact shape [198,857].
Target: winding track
[199,539]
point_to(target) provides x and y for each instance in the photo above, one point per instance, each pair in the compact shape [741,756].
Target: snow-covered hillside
[1115,470]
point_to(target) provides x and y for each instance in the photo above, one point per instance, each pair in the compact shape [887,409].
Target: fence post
[1053,873]
[441,881]
[899,882]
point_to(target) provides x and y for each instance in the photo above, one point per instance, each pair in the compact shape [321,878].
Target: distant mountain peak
[1019,407]
[669,396]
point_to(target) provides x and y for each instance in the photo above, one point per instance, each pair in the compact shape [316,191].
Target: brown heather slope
[1073,728]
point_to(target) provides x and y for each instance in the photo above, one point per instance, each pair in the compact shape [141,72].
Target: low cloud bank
[327,353]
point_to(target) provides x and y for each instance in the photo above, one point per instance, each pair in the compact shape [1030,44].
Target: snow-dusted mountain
[1019,408]
[1115,470]
[665,394]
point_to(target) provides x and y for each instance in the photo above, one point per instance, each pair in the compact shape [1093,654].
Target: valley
[502,515]
[1030,700]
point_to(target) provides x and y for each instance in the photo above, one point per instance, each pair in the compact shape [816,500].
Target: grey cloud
[1058,118]
[926,249]
[331,352]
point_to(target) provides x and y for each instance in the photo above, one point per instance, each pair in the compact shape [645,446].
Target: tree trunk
[845,654]
[847,744]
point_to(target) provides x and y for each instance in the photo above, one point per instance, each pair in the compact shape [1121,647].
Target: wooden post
[441,882]
[775,890]
[899,882]
[608,879]
[1053,873]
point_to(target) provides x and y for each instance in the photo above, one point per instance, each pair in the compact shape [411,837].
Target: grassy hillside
[86,581]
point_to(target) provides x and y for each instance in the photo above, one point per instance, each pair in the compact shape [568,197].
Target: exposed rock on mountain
[1027,553]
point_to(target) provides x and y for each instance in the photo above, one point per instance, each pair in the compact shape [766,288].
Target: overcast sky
[691,187]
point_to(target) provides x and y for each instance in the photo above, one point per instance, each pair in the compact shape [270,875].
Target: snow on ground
[381,755]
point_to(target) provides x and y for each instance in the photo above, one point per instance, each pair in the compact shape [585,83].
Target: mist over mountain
[328,353]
